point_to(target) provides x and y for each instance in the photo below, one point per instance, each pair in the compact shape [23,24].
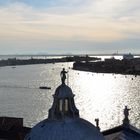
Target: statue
[126,115]
[63,75]
[97,123]
[126,112]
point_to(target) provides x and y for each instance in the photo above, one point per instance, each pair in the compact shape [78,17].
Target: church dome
[63,91]
[70,129]
[63,122]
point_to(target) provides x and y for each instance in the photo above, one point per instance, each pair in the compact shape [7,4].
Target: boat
[44,87]
[13,67]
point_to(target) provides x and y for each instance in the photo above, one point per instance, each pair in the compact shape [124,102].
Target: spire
[63,103]
[126,115]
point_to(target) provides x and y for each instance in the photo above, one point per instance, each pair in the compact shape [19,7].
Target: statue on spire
[126,115]
[63,75]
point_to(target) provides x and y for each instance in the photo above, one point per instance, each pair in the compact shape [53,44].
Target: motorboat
[44,87]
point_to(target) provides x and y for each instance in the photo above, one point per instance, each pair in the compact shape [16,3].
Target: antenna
[67,77]
[67,74]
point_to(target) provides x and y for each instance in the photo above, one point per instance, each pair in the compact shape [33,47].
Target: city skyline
[76,26]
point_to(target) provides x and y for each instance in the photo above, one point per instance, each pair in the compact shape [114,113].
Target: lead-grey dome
[70,129]
[63,91]
[63,122]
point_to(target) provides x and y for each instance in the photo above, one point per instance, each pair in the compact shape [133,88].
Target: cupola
[64,122]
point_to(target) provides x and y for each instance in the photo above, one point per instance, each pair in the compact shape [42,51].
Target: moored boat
[44,87]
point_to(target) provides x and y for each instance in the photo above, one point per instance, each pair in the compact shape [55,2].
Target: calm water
[100,96]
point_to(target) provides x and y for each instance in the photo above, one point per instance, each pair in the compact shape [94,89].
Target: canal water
[102,96]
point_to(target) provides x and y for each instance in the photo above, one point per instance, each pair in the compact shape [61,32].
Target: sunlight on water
[100,96]
[104,96]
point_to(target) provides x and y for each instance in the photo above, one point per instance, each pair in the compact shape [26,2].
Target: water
[100,96]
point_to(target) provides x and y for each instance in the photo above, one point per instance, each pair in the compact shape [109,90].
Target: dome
[63,122]
[70,129]
[63,91]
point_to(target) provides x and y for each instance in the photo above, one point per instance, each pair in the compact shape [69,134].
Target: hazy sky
[69,26]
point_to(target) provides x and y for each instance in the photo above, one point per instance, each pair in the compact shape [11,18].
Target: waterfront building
[128,56]
[12,128]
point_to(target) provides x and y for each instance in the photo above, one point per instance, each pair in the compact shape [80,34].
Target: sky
[69,26]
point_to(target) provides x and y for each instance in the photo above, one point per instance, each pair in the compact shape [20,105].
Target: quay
[112,65]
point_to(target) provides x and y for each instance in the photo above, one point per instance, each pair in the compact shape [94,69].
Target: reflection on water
[100,96]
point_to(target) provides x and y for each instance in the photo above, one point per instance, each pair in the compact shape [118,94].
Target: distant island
[32,60]
[128,65]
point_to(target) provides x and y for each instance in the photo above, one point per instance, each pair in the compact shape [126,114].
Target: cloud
[99,21]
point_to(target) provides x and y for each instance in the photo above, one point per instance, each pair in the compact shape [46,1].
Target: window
[60,105]
[66,105]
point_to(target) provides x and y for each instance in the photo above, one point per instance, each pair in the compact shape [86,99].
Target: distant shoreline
[16,61]
[47,55]
[112,65]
